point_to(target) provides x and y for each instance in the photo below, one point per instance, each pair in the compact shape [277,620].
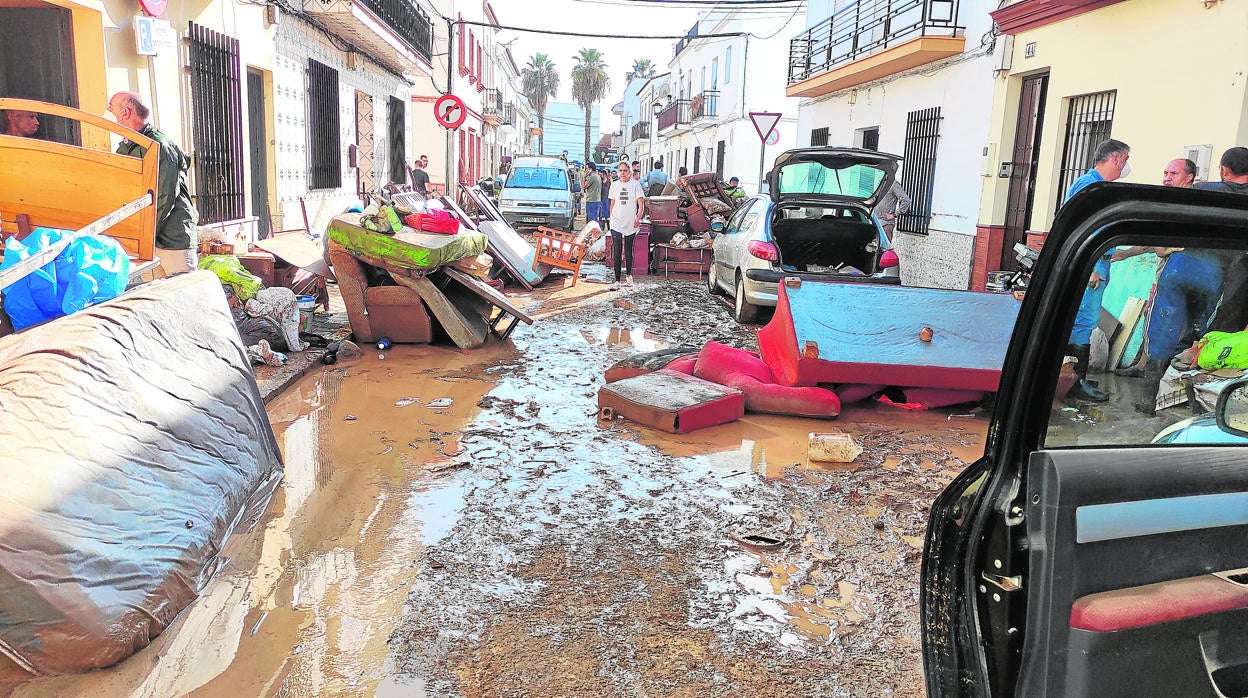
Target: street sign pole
[764,123]
[762,159]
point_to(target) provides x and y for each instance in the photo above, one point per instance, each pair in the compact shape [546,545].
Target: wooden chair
[560,250]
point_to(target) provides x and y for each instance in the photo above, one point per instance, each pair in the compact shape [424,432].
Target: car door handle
[1226,661]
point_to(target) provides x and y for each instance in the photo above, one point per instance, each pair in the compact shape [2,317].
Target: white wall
[296,43]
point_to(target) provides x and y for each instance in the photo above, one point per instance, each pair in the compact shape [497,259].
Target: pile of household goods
[270,315]
[407,265]
[688,213]
[135,441]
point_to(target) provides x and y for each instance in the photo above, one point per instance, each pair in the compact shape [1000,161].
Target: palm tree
[642,68]
[540,81]
[589,84]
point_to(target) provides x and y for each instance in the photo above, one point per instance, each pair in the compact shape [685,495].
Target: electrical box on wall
[988,160]
[1201,155]
[1007,169]
[1005,52]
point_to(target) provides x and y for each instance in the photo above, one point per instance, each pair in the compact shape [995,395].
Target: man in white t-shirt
[627,202]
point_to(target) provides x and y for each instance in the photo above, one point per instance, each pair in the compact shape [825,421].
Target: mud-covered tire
[744,311]
[712,280]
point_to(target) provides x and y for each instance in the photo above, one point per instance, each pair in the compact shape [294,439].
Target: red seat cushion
[771,398]
[720,363]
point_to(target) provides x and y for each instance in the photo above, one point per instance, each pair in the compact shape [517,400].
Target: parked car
[537,192]
[815,223]
[1096,556]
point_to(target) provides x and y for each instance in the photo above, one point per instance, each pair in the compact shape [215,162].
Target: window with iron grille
[819,136]
[398,149]
[216,94]
[1089,121]
[918,176]
[324,147]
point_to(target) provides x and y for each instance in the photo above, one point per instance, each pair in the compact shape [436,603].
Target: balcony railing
[641,130]
[492,103]
[705,105]
[675,115]
[509,114]
[866,27]
[407,20]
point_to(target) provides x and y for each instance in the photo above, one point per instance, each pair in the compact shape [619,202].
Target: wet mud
[504,541]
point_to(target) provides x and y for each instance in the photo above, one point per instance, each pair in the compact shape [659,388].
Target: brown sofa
[396,312]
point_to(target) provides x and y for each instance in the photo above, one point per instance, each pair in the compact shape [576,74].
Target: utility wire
[598,35]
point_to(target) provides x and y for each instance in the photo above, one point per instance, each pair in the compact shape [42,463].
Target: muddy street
[462,524]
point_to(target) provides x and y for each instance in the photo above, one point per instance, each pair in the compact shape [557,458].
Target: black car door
[1081,556]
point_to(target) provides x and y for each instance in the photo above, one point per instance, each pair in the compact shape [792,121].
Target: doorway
[258,138]
[1019,202]
[37,62]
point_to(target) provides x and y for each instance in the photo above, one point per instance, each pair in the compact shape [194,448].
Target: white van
[537,192]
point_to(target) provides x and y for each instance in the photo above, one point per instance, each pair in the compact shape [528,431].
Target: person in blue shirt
[1109,163]
[657,179]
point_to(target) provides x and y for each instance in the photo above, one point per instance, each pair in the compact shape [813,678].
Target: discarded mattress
[135,442]
[828,332]
[407,249]
[671,401]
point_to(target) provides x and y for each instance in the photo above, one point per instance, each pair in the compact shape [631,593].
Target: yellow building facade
[1167,77]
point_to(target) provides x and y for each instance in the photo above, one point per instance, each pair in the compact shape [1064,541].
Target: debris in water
[833,447]
[350,418]
[388,449]
[441,402]
[959,416]
[405,401]
[763,541]
[446,466]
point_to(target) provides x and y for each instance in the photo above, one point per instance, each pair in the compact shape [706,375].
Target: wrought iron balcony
[641,130]
[867,27]
[675,115]
[408,20]
[397,32]
[509,114]
[492,105]
[705,105]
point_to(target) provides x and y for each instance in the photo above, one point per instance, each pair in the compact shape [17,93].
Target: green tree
[589,85]
[642,68]
[540,82]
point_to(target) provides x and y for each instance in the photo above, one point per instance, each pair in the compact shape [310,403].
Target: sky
[600,16]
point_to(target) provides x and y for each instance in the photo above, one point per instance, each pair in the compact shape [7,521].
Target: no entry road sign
[449,111]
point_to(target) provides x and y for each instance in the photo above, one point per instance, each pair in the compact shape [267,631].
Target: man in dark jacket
[176,217]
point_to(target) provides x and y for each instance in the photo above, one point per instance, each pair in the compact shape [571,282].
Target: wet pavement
[462,524]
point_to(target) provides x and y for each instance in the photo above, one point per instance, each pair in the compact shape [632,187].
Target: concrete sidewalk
[332,325]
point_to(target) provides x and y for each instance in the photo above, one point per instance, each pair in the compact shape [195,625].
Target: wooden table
[669,258]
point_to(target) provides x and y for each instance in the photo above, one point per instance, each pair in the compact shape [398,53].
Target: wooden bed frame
[49,184]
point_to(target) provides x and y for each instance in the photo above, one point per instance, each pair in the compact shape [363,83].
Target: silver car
[815,223]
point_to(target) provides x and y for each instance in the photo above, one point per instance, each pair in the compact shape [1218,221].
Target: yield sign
[764,122]
[449,111]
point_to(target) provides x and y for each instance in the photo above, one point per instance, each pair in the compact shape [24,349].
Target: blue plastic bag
[92,269]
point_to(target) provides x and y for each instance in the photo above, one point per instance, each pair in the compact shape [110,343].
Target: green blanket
[408,249]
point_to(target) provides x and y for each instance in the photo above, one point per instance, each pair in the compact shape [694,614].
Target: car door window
[734,223]
[1155,337]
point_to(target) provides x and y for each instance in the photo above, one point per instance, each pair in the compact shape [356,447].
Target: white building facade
[702,122]
[913,79]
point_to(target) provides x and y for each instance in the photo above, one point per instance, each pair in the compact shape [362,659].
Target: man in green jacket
[176,217]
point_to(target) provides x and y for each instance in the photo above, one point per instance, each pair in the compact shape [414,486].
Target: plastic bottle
[384,343]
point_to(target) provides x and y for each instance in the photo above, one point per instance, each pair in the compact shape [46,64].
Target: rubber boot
[1154,369]
[1083,390]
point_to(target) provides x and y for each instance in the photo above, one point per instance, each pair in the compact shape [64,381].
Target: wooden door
[1023,166]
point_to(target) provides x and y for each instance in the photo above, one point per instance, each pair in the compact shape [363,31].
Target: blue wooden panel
[855,323]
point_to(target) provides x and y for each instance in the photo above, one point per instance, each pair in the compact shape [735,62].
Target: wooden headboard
[68,186]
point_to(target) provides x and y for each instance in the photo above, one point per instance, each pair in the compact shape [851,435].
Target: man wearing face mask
[176,217]
[1109,164]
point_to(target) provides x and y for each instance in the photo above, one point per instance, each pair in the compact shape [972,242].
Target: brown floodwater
[461,523]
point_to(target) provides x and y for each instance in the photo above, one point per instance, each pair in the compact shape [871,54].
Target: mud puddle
[510,544]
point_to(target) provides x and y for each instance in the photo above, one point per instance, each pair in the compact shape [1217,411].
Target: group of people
[1187,289]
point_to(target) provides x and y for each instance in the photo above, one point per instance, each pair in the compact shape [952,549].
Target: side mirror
[1232,409]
